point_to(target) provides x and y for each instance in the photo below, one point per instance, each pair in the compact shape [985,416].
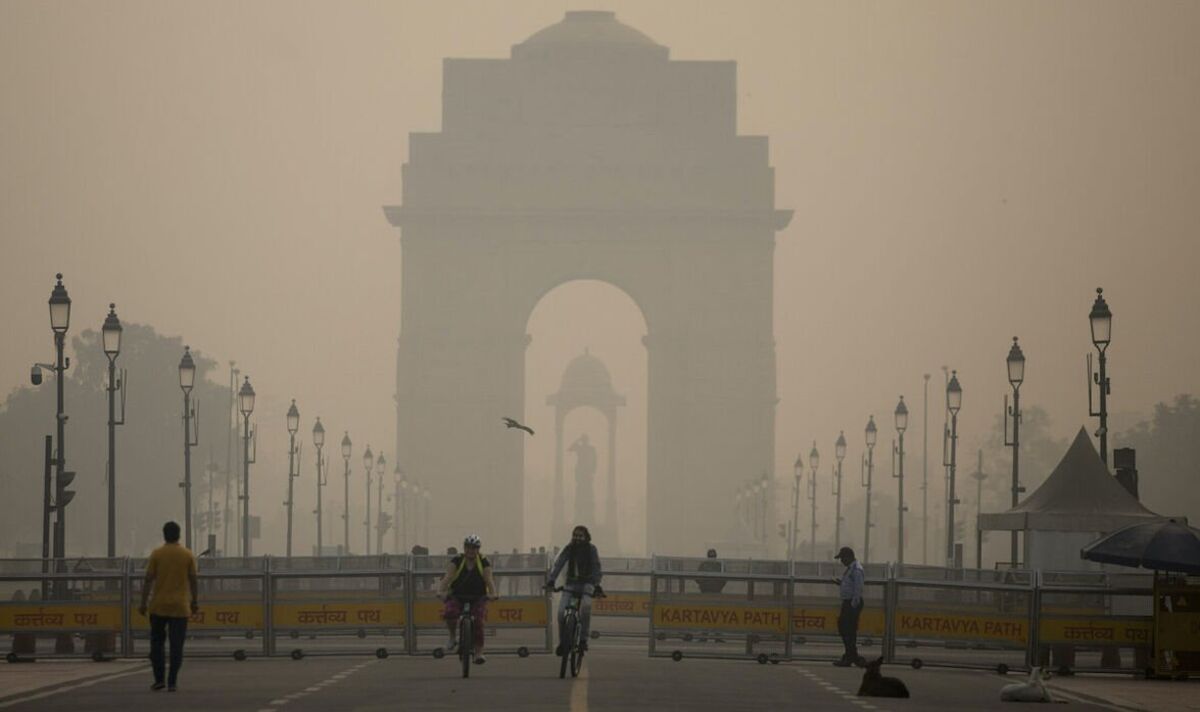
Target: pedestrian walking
[850,590]
[171,588]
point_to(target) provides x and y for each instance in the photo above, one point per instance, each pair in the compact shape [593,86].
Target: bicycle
[572,655]
[466,633]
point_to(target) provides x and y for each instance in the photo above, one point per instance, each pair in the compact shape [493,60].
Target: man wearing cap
[850,590]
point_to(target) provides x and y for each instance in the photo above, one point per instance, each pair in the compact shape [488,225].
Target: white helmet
[472,540]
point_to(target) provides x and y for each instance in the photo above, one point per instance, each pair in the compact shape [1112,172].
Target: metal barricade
[234,609]
[720,608]
[625,609]
[339,605]
[816,607]
[961,617]
[64,607]
[1095,621]
[518,622]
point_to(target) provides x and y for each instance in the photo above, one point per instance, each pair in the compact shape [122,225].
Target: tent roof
[1079,496]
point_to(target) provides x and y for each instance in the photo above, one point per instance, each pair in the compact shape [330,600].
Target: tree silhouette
[149,446]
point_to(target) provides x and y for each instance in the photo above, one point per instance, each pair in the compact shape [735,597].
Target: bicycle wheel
[568,634]
[466,643]
[576,651]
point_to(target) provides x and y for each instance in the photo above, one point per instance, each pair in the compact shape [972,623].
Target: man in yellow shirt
[171,573]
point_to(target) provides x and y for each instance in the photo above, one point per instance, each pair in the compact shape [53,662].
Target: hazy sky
[961,172]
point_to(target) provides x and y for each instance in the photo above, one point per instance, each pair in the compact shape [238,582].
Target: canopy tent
[1079,496]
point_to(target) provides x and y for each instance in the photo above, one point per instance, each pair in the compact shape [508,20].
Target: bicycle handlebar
[556,589]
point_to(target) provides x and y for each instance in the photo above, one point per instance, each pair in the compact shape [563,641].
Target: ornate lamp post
[953,403]
[814,462]
[191,437]
[839,452]
[1101,321]
[60,321]
[293,426]
[246,406]
[1016,375]
[381,524]
[319,442]
[925,474]
[798,475]
[979,477]
[346,445]
[368,463]
[397,477]
[404,513]
[111,337]
[901,415]
[872,435]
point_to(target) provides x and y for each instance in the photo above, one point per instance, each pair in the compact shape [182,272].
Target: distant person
[451,551]
[582,561]
[171,574]
[710,563]
[850,590]
[710,585]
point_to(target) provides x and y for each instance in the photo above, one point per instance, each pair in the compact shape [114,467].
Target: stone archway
[588,154]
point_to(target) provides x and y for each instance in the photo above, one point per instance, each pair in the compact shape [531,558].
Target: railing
[684,607]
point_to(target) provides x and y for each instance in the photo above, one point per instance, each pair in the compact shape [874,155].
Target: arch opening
[586,375]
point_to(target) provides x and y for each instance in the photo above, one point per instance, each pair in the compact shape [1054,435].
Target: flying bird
[514,424]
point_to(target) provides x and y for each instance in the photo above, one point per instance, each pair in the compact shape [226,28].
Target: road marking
[68,688]
[579,692]
[331,680]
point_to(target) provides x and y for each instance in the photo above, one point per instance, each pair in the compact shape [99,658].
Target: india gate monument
[587,154]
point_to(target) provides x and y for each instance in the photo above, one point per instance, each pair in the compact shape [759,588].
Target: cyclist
[468,576]
[582,562]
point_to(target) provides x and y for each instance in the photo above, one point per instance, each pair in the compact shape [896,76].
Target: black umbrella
[1162,545]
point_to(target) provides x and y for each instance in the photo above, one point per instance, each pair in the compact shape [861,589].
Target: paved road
[613,679]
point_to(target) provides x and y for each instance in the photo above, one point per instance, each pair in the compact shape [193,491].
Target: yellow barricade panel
[242,616]
[823,621]
[936,624]
[388,614]
[1097,631]
[32,617]
[505,612]
[700,617]
[629,605]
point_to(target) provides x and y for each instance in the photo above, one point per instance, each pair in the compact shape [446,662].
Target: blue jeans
[585,615]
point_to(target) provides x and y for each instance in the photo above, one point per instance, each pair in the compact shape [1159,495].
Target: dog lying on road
[876,685]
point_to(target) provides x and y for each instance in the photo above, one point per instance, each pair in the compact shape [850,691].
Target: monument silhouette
[587,154]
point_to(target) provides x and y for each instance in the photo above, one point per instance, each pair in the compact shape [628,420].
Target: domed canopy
[586,380]
[590,29]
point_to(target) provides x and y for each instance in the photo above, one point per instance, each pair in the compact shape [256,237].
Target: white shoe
[452,646]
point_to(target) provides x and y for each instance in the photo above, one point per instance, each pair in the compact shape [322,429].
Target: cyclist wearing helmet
[582,562]
[468,576]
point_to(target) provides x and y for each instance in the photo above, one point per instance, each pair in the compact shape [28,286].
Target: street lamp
[798,474]
[868,468]
[814,462]
[404,510]
[246,406]
[1101,321]
[428,506]
[839,452]
[60,321]
[293,426]
[368,460]
[953,403]
[111,338]
[901,415]
[318,435]
[380,523]
[398,475]
[979,477]
[1016,376]
[191,437]
[346,446]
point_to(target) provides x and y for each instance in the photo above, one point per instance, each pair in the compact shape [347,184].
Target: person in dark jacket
[582,562]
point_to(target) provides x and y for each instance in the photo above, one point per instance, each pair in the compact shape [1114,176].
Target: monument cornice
[401,216]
